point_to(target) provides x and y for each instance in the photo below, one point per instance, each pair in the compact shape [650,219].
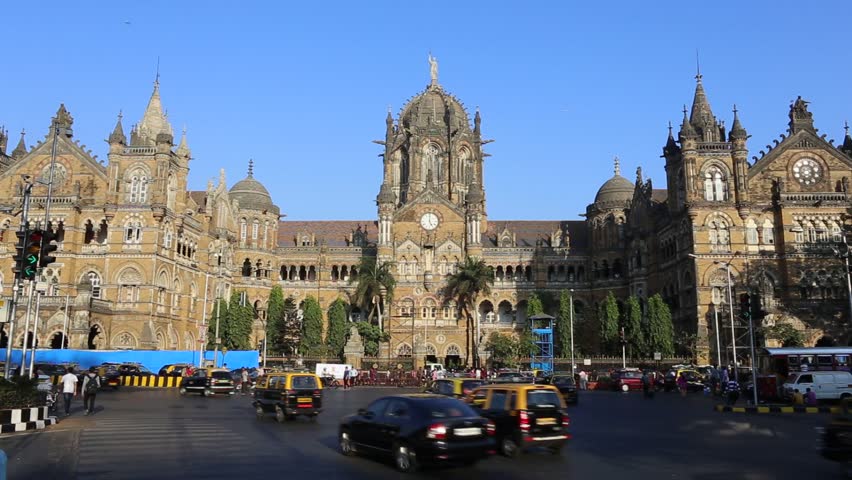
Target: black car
[418,429]
[836,436]
[567,387]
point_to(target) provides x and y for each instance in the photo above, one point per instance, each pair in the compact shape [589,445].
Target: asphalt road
[143,434]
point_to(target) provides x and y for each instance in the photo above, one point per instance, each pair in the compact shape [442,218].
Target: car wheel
[509,448]
[182,391]
[844,396]
[258,410]
[404,459]
[280,417]
[208,392]
[346,446]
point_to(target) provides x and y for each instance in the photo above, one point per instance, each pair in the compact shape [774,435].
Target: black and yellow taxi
[288,395]
[524,415]
[208,382]
[455,387]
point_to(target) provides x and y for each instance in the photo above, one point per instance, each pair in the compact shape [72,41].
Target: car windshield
[630,375]
[563,380]
[304,381]
[468,385]
[221,375]
[543,399]
[449,408]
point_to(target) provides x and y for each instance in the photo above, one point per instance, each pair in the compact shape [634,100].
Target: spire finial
[184,130]
[157,78]
[251,167]
[735,110]
[846,127]
[670,128]
[120,115]
[697,67]
[617,166]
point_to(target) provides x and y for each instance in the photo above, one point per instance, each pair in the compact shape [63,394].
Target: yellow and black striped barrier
[776,409]
[150,381]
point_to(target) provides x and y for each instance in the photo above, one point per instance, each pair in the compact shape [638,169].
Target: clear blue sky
[303,87]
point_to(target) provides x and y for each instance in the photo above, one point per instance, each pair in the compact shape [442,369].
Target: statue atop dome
[433,69]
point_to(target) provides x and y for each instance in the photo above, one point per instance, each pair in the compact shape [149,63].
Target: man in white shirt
[69,389]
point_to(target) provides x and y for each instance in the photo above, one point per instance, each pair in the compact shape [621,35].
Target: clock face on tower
[806,171]
[429,221]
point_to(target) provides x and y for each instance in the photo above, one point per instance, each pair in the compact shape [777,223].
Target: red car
[631,378]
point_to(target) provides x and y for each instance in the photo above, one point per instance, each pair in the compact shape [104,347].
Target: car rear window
[468,385]
[630,375]
[304,381]
[221,375]
[563,380]
[543,399]
[449,408]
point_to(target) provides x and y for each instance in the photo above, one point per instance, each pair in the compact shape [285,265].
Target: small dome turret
[252,194]
[616,190]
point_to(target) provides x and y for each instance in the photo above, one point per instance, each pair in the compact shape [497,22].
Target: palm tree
[374,281]
[471,279]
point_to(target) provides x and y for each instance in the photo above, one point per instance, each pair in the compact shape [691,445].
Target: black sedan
[567,387]
[418,429]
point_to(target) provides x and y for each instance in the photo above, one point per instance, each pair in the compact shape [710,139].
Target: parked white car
[826,385]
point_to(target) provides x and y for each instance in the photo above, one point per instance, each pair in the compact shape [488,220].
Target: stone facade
[142,258]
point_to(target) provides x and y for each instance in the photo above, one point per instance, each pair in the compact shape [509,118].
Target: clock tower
[431,204]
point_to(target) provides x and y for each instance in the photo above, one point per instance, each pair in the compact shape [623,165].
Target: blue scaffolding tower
[541,326]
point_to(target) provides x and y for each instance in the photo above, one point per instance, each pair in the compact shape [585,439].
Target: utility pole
[17,284]
[571,316]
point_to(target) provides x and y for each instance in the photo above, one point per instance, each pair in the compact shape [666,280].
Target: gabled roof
[529,232]
[800,139]
[334,232]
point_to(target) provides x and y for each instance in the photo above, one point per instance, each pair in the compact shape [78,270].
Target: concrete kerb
[775,409]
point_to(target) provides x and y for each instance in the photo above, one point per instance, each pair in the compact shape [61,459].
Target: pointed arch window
[768,232]
[243,229]
[138,186]
[715,187]
[133,232]
[95,282]
[836,233]
[254,229]
[719,235]
[751,232]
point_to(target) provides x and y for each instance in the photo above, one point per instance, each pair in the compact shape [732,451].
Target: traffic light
[757,311]
[29,264]
[20,252]
[745,306]
[45,257]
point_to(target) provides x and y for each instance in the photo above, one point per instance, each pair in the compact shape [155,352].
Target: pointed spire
[4,140]
[183,148]
[251,167]
[617,166]
[701,117]
[847,140]
[117,135]
[21,149]
[62,120]
[737,130]
[671,146]
[154,122]
[686,129]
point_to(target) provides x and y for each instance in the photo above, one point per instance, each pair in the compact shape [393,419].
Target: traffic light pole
[24,347]
[16,288]
[35,331]
[753,357]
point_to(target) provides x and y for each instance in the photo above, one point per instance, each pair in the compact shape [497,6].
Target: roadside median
[775,409]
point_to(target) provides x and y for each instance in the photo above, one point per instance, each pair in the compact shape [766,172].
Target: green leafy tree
[503,348]
[633,331]
[336,338]
[311,341]
[534,305]
[587,330]
[274,316]
[608,322]
[471,279]
[239,323]
[660,334]
[220,312]
[562,336]
[785,333]
[372,336]
[287,338]
[372,278]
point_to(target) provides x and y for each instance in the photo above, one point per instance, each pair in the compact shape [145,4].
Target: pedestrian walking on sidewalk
[69,389]
[346,378]
[91,385]
[584,380]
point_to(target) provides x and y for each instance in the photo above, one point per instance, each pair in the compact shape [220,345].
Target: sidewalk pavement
[49,453]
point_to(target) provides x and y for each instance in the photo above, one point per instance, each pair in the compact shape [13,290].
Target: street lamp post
[571,317]
[733,330]
[718,341]
[845,256]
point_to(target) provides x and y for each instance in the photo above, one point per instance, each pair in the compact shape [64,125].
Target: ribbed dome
[252,195]
[430,108]
[616,189]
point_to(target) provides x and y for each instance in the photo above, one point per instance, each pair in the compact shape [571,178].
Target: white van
[826,385]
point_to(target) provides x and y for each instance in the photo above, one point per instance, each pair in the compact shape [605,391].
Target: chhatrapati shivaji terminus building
[142,257]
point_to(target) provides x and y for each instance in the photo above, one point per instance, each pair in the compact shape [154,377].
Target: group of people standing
[90,387]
